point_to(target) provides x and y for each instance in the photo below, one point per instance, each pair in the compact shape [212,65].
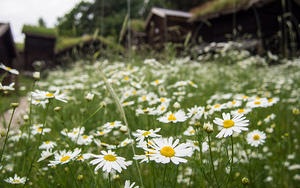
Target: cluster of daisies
[150,92]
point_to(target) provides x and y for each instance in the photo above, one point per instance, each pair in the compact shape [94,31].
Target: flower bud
[56,109]
[36,75]
[176,105]
[26,117]
[89,96]
[14,105]
[123,128]
[245,181]
[208,127]
[80,177]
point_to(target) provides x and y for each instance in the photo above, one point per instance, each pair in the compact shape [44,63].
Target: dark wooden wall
[255,20]
[38,48]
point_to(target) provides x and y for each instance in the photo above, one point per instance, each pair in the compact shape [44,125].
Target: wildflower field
[223,120]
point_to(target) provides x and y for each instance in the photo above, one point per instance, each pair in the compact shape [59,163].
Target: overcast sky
[19,12]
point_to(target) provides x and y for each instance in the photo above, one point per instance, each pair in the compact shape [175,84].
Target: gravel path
[20,111]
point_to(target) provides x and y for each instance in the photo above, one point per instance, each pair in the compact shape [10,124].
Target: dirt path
[20,111]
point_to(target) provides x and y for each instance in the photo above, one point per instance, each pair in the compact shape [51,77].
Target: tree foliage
[108,15]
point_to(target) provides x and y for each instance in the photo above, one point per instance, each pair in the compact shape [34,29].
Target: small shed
[8,51]
[164,25]
[219,21]
[39,45]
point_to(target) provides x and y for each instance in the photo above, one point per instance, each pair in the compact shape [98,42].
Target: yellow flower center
[134,92]
[16,181]
[241,110]
[257,102]
[146,133]
[228,123]
[112,124]
[192,132]
[157,81]
[167,151]
[257,97]
[49,95]
[162,100]
[85,136]
[38,100]
[162,108]
[245,97]
[217,106]
[110,158]
[171,117]
[270,100]
[125,143]
[65,158]
[75,132]
[80,158]
[126,78]
[39,130]
[144,98]
[233,102]
[125,103]
[256,137]
[47,142]
[146,110]
[101,133]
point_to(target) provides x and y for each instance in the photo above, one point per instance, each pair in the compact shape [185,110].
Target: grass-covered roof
[41,31]
[214,8]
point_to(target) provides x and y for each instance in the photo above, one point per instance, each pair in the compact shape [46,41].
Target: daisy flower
[190,131]
[47,145]
[43,95]
[178,116]
[141,134]
[156,82]
[40,102]
[150,111]
[85,139]
[195,111]
[8,69]
[242,111]
[64,156]
[256,138]
[15,180]
[165,150]
[125,142]
[111,125]
[40,130]
[236,124]
[128,185]
[10,87]
[257,102]
[109,161]
[144,158]
[45,154]
[217,108]
[102,132]
[161,109]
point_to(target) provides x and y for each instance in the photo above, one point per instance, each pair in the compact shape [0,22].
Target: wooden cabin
[267,20]
[39,45]
[8,52]
[135,33]
[164,25]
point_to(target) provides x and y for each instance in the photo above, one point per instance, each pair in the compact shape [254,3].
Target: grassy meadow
[225,119]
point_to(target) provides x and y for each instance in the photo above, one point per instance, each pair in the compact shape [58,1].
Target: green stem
[212,162]
[123,115]
[109,180]
[231,162]
[164,175]
[6,136]
[39,142]
[28,129]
